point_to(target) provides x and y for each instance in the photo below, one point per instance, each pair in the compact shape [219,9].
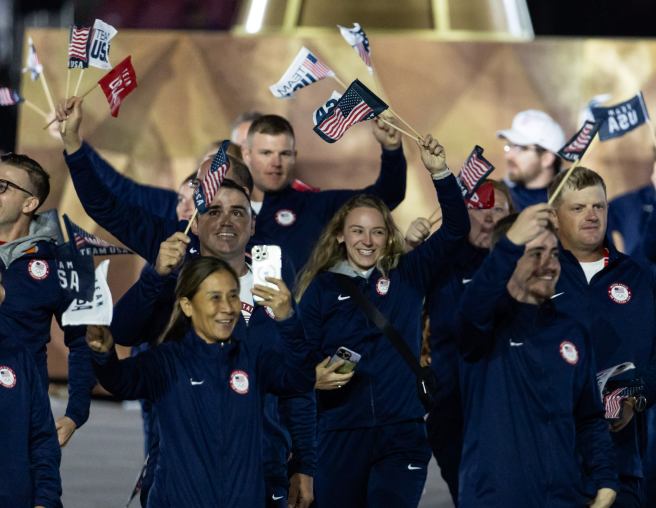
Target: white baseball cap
[533,127]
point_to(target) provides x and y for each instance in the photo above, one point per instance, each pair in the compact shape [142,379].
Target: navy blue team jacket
[28,440]
[530,399]
[33,297]
[629,214]
[209,400]
[383,390]
[523,197]
[623,330]
[295,219]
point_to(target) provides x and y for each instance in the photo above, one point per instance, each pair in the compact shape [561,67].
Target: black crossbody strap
[349,287]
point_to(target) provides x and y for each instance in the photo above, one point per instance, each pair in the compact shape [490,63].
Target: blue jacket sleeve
[132,324]
[45,453]
[139,230]
[299,416]
[160,202]
[592,434]
[475,318]
[149,375]
[310,314]
[421,265]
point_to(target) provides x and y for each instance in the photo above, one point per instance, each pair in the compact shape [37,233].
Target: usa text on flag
[576,147]
[205,192]
[118,83]
[101,34]
[88,244]
[359,42]
[622,118]
[473,172]
[9,97]
[33,64]
[321,113]
[304,70]
[78,47]
[356,105]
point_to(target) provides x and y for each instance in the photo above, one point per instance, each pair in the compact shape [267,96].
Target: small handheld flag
[482,198]
[358,104]
[88,244]
[118,83]
[206,191]
[78,47]
[322,112]
[33,64]
[473,172]
[576,147]
[621,118]
[96,310]
[99,46]
[304,70]
[9,97]
[359,42]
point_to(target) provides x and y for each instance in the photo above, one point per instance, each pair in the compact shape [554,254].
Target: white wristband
[441,175]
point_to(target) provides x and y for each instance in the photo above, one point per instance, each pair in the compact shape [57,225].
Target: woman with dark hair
[207,386]
[372,449]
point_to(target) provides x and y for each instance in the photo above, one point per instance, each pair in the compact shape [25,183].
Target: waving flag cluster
[205,192]
[9,97]
[33,64]
[359,42]
[473,172]
[576,147]
[356,105]
[622,118]
[78,47]
[304,70]
[118,83]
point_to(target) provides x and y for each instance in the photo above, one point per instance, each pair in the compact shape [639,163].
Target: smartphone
[267,262]
[351,358]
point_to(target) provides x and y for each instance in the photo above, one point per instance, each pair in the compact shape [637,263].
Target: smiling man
[529,392]
[612,295]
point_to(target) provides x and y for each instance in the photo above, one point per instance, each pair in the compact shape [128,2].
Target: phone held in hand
[267,262]
[351,358]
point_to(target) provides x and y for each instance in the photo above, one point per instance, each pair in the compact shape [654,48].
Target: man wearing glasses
[531,147]
[29,274]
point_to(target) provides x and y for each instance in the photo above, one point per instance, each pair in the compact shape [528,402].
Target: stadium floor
[102,460]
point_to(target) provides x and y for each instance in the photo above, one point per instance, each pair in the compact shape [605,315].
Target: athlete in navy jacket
[530,397]
[208,387]
[294,219]
[28,442]
[613,296]
[629,216]
[372,448]
[29,271]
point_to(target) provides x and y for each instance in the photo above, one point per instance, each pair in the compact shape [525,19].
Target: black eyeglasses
[4,184]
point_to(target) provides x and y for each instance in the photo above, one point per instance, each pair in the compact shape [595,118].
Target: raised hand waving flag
[118,83]
[576,147]
[78,47]
[99,47]
[33,64]
[359,42]
[206,191]
[304,70]
[621,118]
[473,172]
[358,104]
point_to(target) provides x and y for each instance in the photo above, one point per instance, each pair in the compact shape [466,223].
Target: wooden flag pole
[406,123]
[397,128]
[341,83]
[68,84]
[562,184]
[434,213]
[79,80]
[191,220]
[35,108]
[47,90]
[87,93]
[432,223]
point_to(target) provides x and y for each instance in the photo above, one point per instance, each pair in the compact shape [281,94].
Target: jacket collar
[272,197]
[613,253]
[199,347]
[344,268]
[42,229]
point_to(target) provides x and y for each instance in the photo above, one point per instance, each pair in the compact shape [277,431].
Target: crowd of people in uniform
[515,306]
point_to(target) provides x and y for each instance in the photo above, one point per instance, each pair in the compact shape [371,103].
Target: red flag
[118,83]
[303,187]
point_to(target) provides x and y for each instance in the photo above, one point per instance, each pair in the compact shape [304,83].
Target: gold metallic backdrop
[192,85]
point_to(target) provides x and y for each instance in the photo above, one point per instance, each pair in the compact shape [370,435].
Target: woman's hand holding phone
[328,379]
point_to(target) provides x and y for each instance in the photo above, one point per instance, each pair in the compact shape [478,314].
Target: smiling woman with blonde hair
[370,421]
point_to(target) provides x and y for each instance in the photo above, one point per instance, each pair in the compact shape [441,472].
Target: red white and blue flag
[614,400]
[358,104]
[473,172]
[9,97]
[359,42]
[78,47]
[89,244]
[33,64]
[576,147]
[304,70]
[206,191]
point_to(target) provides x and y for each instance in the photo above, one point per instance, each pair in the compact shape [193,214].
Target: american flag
[576,147]
[356,105]
[78,46]
[316,67]
[473,172]
[9,97]
[359,42]
[33,64]
[213,180]
[614,401]
[84,239]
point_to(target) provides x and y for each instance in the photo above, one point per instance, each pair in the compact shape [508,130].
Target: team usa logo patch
[569,352]
[239,382]
[38,269]
[619,293]
[285,217]
[7,377]
[382,286]
[269,312]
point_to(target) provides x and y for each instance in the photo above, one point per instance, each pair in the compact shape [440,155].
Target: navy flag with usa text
[475,169]
[621,118]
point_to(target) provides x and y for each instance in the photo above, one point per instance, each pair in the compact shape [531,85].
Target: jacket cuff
[393,154]
[608,484]
[300,468]
[77,420]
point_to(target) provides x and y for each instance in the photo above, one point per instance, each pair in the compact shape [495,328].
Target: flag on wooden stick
[473,172]
[99,46]
[33,64]
[118,83]
[78,47]
[359,42]
[304,70]
[206,191]
[9,97]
